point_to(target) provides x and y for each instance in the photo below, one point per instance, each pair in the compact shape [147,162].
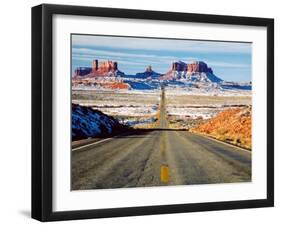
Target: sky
[230,61]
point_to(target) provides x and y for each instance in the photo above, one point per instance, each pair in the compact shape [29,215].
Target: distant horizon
[230,61]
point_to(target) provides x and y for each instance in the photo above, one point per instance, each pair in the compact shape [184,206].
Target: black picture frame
[42,108]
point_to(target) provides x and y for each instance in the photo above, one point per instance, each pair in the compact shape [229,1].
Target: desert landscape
[184,110]
[185,126]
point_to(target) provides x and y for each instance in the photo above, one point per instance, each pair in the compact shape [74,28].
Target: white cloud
[228,65]
[87,54]
[161,44]
[88,51]
[89,59]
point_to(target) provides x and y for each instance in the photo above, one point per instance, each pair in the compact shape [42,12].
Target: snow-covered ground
[133,122]
[119,103]
[203,103]
[101,89]
[87,122]
[206,91]
[195,112]
[177,89]
[133,107]
[120,109]
[130,111]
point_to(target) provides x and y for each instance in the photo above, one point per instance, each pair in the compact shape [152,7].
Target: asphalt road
[158,157]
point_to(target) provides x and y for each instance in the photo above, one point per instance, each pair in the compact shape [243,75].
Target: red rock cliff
[104,67]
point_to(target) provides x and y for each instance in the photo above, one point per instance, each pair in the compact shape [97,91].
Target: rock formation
[99,69]
[193,71]
[179,66]
[82,71]
[148,73]
[107,71]
[198,66]
[105,67]
[192,67]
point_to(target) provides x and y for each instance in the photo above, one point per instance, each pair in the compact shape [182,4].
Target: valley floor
[163,154]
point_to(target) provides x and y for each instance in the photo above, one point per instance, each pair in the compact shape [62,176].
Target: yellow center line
[164,174]
[164,169]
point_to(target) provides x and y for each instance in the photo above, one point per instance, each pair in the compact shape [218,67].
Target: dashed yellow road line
[164,174]
[164,169]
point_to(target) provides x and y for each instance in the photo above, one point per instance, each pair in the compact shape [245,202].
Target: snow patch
[87,122]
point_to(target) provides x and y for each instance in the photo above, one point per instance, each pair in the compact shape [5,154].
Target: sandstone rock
[198,66]
[148,73]
[103,69]
[180,69]
[179,66]
[149,69]
[95,65]
[82,71]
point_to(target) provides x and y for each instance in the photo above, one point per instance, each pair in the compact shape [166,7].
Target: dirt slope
[232,125]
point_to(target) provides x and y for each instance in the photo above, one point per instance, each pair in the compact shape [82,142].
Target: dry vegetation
[230,119]
[187,123]
[114,98]
[232,126]
[191,100]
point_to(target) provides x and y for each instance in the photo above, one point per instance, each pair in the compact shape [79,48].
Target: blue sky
[230,61]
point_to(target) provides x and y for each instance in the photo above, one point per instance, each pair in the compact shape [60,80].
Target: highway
[158,157]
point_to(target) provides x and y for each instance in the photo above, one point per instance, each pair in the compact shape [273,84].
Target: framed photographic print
[145,112]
